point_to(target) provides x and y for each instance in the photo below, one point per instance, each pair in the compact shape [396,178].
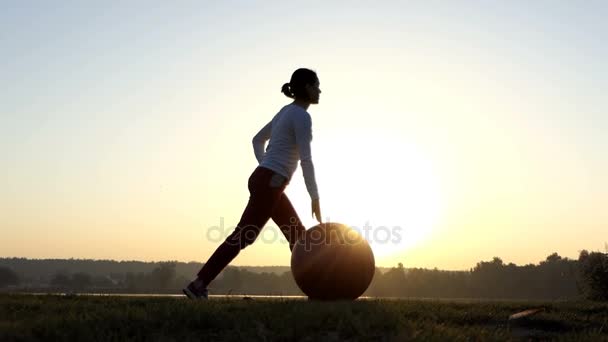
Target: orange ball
[332,262]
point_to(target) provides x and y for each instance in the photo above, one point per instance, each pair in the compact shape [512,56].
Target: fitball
[332,262]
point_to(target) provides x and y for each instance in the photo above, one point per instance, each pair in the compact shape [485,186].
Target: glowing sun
[381,185]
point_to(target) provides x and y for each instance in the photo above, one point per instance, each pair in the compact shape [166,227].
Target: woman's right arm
[259,140]
[303,131]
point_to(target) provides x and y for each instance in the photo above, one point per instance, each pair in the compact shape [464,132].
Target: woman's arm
[259,140]
[303,130]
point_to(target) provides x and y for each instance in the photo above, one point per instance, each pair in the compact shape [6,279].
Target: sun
[383,186]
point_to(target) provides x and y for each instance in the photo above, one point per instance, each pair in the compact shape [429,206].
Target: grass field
[101,318]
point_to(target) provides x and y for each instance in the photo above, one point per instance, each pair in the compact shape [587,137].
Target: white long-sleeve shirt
[290,134]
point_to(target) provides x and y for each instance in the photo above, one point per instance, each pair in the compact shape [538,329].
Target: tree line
[552,278]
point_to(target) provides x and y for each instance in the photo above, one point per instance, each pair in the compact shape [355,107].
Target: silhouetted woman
[290,134]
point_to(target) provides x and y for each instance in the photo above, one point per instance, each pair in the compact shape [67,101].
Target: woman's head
[303,86]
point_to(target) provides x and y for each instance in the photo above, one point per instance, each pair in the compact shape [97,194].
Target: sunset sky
[474,129]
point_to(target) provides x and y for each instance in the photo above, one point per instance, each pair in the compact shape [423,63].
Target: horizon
[505,262]
[455,133]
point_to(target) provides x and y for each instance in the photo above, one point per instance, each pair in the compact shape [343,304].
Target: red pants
[266,201]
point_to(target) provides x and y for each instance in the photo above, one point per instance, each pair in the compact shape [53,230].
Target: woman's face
[313,92]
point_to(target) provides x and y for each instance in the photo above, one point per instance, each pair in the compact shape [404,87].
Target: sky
[453,131]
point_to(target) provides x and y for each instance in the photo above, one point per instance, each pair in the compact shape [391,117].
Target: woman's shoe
[196,294]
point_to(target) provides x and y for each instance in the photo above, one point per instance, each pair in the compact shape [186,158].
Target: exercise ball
[331,261]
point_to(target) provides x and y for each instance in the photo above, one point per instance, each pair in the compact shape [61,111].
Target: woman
[290,134]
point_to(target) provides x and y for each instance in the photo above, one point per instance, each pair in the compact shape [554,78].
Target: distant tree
[8,277]
[553,258]
[388,284]
[288,284]
[554,277]
[231,280]
[80,281]
[395,280]
[60,280]
[180,281]
[102,282]
[377,287]
[163,275]
[136,281]
[489,279]
[594,273]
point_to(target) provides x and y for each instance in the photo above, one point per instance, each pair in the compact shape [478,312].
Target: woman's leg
[286,218]
[262,201]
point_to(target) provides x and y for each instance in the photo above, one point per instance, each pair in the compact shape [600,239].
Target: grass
[103,318]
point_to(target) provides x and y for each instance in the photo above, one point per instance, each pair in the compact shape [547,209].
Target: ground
[101,318]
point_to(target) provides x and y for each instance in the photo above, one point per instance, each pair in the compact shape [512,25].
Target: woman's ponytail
[287,91]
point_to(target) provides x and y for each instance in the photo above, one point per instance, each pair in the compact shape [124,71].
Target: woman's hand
[316,209]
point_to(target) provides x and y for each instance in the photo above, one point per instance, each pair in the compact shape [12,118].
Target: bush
[8,277]
[594,273]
